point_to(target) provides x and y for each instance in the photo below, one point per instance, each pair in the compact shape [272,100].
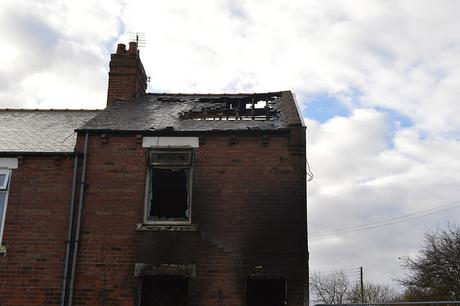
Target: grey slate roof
[181,112]
[40,131]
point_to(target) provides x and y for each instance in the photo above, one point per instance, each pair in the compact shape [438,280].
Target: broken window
[266,292]
[169,186]
[164,291]
[4,185]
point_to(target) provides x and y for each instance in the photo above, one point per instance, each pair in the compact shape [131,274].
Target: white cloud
[360,178]
[55,52]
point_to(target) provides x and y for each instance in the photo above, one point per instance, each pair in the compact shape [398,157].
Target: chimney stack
[127,76]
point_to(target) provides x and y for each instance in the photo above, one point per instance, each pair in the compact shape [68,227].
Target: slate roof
[198,112]
[40,131]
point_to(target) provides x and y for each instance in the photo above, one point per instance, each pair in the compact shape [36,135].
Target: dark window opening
[169,186]
[164,291]
[169,194]
[266,292]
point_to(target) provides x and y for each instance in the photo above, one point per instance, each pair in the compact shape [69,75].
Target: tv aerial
[139,38]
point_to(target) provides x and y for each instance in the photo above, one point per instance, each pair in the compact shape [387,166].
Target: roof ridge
[213,94]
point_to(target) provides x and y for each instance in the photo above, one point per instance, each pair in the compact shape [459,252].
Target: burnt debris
[242,107]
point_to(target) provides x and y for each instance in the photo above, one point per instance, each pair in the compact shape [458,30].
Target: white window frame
[7,173]
[4,189]
[147,219]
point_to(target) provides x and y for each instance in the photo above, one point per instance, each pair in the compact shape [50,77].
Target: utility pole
[362,284]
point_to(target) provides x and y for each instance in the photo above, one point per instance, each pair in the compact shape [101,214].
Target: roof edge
[50,110]
[213,94]
[17,153]
[167,132]
[291,108]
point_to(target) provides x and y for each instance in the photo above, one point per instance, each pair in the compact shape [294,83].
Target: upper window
[169,187]
[4,185]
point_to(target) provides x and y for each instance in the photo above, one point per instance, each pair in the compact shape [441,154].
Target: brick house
[159,199]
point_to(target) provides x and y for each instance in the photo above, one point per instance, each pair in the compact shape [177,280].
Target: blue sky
[323,106]
[377,81]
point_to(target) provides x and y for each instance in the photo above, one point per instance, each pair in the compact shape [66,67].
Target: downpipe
[78,225]
[69,231]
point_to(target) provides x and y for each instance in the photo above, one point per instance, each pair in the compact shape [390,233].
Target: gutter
[69,230]
[78,225]
[27,153]
[172,132]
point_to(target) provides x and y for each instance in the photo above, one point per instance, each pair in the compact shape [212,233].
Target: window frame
[6,172]
[147,197]
[4,189]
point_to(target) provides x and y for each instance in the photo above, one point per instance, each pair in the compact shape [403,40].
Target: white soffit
[170,142]
[8,163]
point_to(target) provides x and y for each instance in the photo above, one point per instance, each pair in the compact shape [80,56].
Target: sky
[377,82]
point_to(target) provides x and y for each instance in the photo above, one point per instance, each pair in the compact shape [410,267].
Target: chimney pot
[132,48]
[121,49]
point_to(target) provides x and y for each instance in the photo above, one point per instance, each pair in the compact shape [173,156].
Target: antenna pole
[137,37]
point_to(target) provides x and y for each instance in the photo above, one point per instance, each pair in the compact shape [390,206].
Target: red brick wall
[35,232]
[248,204]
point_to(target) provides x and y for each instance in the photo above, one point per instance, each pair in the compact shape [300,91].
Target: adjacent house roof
[198,112]
[40,131]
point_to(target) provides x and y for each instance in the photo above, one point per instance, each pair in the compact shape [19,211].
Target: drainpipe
[307,298]
[69,230]
[77,229]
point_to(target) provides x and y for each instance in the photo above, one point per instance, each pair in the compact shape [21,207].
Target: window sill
[2,249]
[166,228]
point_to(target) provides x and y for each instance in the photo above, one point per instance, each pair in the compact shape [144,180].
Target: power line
[369,226]
[437,209]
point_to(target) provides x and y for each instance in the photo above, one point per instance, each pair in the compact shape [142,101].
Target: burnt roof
[40,131]
[53,131]
[199,112]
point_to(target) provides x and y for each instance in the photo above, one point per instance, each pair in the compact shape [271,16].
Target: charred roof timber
[242,107]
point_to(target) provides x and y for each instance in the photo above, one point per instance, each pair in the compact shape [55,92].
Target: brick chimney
[127,76]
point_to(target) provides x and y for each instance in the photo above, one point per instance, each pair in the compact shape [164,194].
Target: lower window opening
[266,292]
[164,291]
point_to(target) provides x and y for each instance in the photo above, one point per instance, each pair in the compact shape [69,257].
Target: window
[169,187]
[266,292]
[167,291]
[4,185]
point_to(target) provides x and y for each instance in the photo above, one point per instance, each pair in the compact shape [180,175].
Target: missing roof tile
[250,107]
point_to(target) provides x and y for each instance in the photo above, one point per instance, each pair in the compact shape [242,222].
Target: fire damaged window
[266,292]
[169,186]
[165,291]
